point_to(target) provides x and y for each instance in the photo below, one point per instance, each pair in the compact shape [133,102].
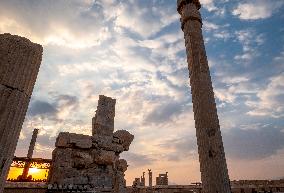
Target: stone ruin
[162,179]
[93,161]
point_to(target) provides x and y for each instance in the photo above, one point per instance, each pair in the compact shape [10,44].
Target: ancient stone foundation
[19,65]
[93,162]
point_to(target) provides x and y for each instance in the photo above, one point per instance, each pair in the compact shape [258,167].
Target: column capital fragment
[182,3]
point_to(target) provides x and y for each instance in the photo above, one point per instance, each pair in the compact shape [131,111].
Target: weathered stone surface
[81,159]
[66,139]
[106,157]
[124,137]
[19,65]
[107,143]
[103,122]
[122,165]
[93,160]
[213,167]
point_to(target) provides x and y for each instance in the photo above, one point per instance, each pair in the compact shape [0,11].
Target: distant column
[150,178]
[30,154]
[213,167]
[143,179]
[20,60]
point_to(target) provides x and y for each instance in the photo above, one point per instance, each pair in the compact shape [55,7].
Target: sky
[133,50]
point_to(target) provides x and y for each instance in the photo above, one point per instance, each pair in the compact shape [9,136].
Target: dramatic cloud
[137,160]
[257,9]
[56,22]
[250,41]
[253,143]
[270,99]
[163,113]
[41,108]
[134,51]
[180,148]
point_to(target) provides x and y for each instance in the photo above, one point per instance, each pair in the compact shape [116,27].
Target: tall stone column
[19,65]
[213,167]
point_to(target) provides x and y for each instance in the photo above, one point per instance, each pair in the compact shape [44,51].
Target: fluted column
[213,167]
[19,65]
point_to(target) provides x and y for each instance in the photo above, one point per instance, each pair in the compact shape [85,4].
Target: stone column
[143,179]
[213,167]
[30,154]
[150,178]
[19,65]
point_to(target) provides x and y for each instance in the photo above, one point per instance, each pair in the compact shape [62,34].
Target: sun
[33,170]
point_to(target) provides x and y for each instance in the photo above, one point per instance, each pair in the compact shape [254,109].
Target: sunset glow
[134,51]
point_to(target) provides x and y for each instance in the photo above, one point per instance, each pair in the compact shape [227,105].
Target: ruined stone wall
[20,60]
[93,161]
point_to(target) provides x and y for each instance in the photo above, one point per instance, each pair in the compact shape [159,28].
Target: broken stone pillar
[20,60]
[103,122]
[213,167]
[92,161]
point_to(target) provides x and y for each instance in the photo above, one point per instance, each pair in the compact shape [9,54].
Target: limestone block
[103,141]
[66,139]
[81,159]
[103,180]
[99,129]
[81,141]
[62,157]
[106,157]
[107,143]
[62,140]
[125,138]
[122,165]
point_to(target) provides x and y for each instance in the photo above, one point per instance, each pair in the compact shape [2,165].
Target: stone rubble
[93,161]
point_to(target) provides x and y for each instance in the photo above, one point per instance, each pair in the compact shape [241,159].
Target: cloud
[179,148]
[38,107]
[137,160]
[145,18]
[75,23]
[257,9]
[250,41]
[255,143]
[270,99]
[54,110]
[164,113]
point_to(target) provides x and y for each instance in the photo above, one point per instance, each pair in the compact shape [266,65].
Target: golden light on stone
[38,170]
